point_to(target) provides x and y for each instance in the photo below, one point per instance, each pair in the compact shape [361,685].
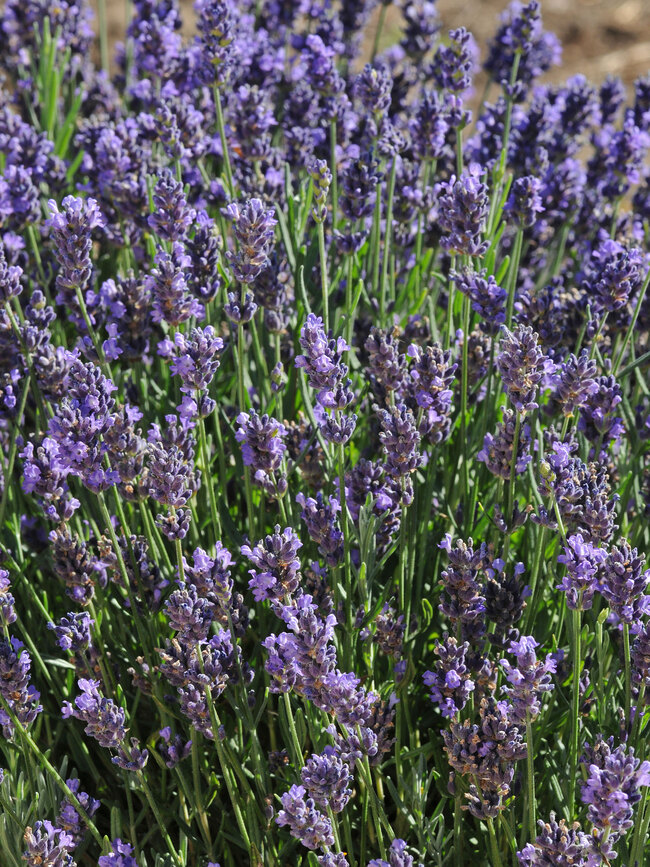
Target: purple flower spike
[121,855]
[522,366]
[529,678]
[253,226]
[305,822]
[450,682]
[583,562]
[613,785]
[463,206]
[47,845]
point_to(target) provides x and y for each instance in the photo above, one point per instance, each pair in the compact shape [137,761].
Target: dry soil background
[599,37]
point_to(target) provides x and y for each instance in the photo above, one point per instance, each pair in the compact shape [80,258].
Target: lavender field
[324,441]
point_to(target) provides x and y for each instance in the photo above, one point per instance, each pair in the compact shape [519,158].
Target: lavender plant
[324,443]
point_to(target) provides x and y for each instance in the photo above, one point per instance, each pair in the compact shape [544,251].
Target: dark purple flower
[263,449]
[69,819]
[529,678]
[453,62]
[173,749]
[463,601]
[277,571]
[486,754]
[421,23]
[168,285]
[496,453]
[45,470]
[172,217]
[386,365]
[322,525]
[521,35]
[7,602]
[189,614]
[121,855]
[372,87]
[357,191]
[400,440]
[9,278]
[326,778]
[623,582]
[522,366]
[47,845]
[22,698]
[611,791]
[71,231]
[583,562]
[463,206]
[450,682]
[557,844]
[524,201]
[216,27]
[487,297]
[598,419]
[305,822]
[613,274]
[575,382]
[73,632]
[253,228]
[103,718]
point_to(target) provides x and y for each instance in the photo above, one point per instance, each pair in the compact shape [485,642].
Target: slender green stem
[221,128]
[335,181]
[512,275]
[158,817]
[387,235]
[632,325]
[575,707]
[296,757]
[494,848]
[463,410]
[207,475]
[530,773]
[628,675]
[323,275]
[378,31]
[511,484]
[9,469]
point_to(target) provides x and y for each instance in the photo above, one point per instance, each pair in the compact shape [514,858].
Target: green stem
[295,743]
[512,275]
[496,855]
[323,275]
[387,237]
[378,31]
[335,182]
[158,817]
[575,707]
[511,484]
[530,770]
[221,128]
[216,523]
[628,676]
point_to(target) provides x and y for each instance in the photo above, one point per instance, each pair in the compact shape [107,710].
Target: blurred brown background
[599,37]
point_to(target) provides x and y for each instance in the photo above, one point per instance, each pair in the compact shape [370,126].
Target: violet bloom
[522,366]
[397,856]
[47,845]
[173,749]
[521,35]
[322,525]
[613,274]
[189,614]
[623,582]
[612,789]
[263,449]
[172,217]
[211,575]
[194,357]
[253,226]
[329,376]
[496,453]
[400,440]
[575,382]
[103,718]
[486,753]
[7,602]
[372,87]
[463,205]
[45,470]
[525,201]
[529,678]
[326,778]
[9,279]
[305,822]
[599,421]
[386,365]
[71,230]
[15,688]
[216,33]
[73,632]
[277,571]
[121,855]
[454,62]
[168,285]
[462,601]
[487,297]
[431,377]
[450,682]
[69,819]
[557,843]
[358,187]
[504,598]
[583,562]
